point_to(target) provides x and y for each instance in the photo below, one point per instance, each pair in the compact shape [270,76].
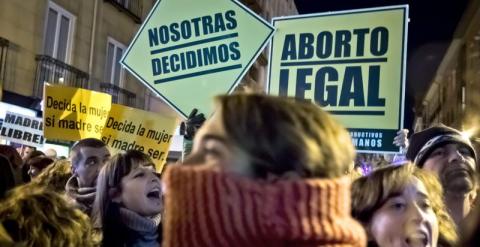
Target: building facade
[454,95]
[73,43]
[80,43]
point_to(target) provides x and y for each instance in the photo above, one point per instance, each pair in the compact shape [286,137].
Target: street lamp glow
[467,134]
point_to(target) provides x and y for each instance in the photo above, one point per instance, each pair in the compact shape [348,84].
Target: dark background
[430,31]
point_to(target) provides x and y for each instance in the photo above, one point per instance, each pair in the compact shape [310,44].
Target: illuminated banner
[129,128]
[352,63]
[22,129]
[188,51]
[74,113]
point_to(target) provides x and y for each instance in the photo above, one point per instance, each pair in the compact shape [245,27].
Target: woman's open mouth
[154,194]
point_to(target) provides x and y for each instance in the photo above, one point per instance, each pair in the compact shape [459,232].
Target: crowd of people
[263,171]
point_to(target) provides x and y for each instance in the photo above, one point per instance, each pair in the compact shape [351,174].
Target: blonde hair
[369,193]
[36,216]
[55,176]
[286,134]
[110,176]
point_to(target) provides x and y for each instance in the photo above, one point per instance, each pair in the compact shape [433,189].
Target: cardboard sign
[128,128]
[74,113]
[187,51]
[352,63]
[22,129]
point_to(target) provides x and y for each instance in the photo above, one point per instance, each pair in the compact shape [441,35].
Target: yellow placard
[74,113]
[129,128]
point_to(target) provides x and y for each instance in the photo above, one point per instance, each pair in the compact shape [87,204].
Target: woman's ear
[115,194]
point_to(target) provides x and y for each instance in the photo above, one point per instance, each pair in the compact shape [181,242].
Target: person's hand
[189,127]
[401,139]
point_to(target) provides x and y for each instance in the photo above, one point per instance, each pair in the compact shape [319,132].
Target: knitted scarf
[139,223]
[209,208]
[124,227]
[146,228]
[83,197]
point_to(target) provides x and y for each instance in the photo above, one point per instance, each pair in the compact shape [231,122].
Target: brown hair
[119,166]
[369,193]
[285,134]
[35,216]
[39,162]
[12,155]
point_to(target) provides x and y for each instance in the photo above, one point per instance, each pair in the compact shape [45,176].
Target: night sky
[431,28]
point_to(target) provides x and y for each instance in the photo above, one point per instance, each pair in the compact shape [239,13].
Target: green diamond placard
[188,51]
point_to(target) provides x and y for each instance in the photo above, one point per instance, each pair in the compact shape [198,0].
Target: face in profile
[89,165]
[406,219]
[213,147]
[141,191]
[455,166]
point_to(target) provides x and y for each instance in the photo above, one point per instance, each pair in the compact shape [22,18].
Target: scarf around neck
[83,197]
[124,227]
[137,222]
[210,208]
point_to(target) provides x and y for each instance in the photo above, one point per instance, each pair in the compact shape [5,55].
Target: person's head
[128,179]
[32,154]
[51,153]
[447,153]
[55,176]
[263,136]
[24,150]
[12,155]
[87,157]
[36,216]
[402,206]
[37,164]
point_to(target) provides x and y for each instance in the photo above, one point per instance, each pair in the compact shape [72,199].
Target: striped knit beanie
[423,143]
[210,208]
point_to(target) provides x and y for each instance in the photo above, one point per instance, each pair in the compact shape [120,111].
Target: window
[58,33]
[113,70]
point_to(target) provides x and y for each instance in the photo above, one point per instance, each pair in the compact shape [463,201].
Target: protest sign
[128,128]
[74,113]
[187,55]
[22,129]
[351,63]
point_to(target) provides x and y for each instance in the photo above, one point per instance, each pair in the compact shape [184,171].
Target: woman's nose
[154,177]
[416,213]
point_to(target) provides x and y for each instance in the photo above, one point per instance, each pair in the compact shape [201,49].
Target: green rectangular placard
[352,63]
